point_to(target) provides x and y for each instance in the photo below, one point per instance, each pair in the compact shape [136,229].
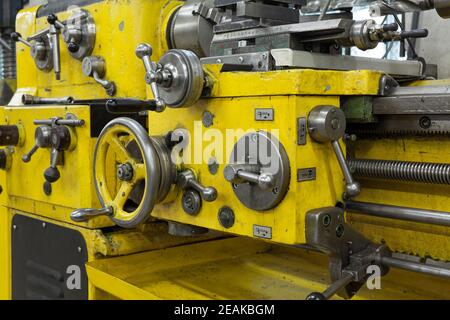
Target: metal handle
[352,188]
[54,31]
[42,137]
[327,123]
[82,215]
[332,289]
[186,179]
[27,157]
[95,67]
[144,52]
[28,99]
[52,174]
[239,173]
[17,37]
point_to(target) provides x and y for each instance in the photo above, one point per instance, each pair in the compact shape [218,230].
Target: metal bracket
[350,253]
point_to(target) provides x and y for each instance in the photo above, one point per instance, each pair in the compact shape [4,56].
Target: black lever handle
[418,33]
[390,27]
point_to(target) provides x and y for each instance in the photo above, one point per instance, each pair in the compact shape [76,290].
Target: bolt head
[125,172]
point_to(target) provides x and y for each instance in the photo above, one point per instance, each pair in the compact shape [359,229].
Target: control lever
[327,124]
[55,134]
[95,67]
[332,289]
[187,179]
[17,37]
[54,31]
[82,215]
[153,76]
[238,173]
[42,137]
[40,48]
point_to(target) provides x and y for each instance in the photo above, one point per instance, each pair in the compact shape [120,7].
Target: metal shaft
[336,286]
[401,213]
[54,36]
[415,267]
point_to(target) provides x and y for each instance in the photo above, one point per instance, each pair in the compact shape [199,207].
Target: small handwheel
[131,189]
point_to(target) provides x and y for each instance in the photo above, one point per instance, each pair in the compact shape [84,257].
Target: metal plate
[302,59]
[265,150]
[264,114]
[42,257]
[306,174]
[301,131]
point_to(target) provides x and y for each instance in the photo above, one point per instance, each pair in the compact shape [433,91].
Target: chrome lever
[144,52]
[236,174]
[82,215]
[54,32]
[327,124]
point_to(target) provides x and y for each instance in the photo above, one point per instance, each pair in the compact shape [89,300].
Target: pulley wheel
[186,84]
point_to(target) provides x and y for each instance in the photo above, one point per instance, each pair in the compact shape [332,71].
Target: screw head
[226,217]
[340,230]
[191,202]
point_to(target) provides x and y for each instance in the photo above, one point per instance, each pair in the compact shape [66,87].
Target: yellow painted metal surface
[287,219]
[240,268]
[292,82]
[100,244]
[25,180]
[119,31]
[5,253]
[285,92]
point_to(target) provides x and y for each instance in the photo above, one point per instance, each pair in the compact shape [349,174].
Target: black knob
[52,174]
[3,159]
[315,296]
[73,47]
[52,18]
[15,36]
[417,33]
[390,27]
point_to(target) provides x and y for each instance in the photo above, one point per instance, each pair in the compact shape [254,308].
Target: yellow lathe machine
[221,149]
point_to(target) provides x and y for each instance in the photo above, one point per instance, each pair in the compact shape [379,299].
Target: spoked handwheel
[132,173]
[132,190]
